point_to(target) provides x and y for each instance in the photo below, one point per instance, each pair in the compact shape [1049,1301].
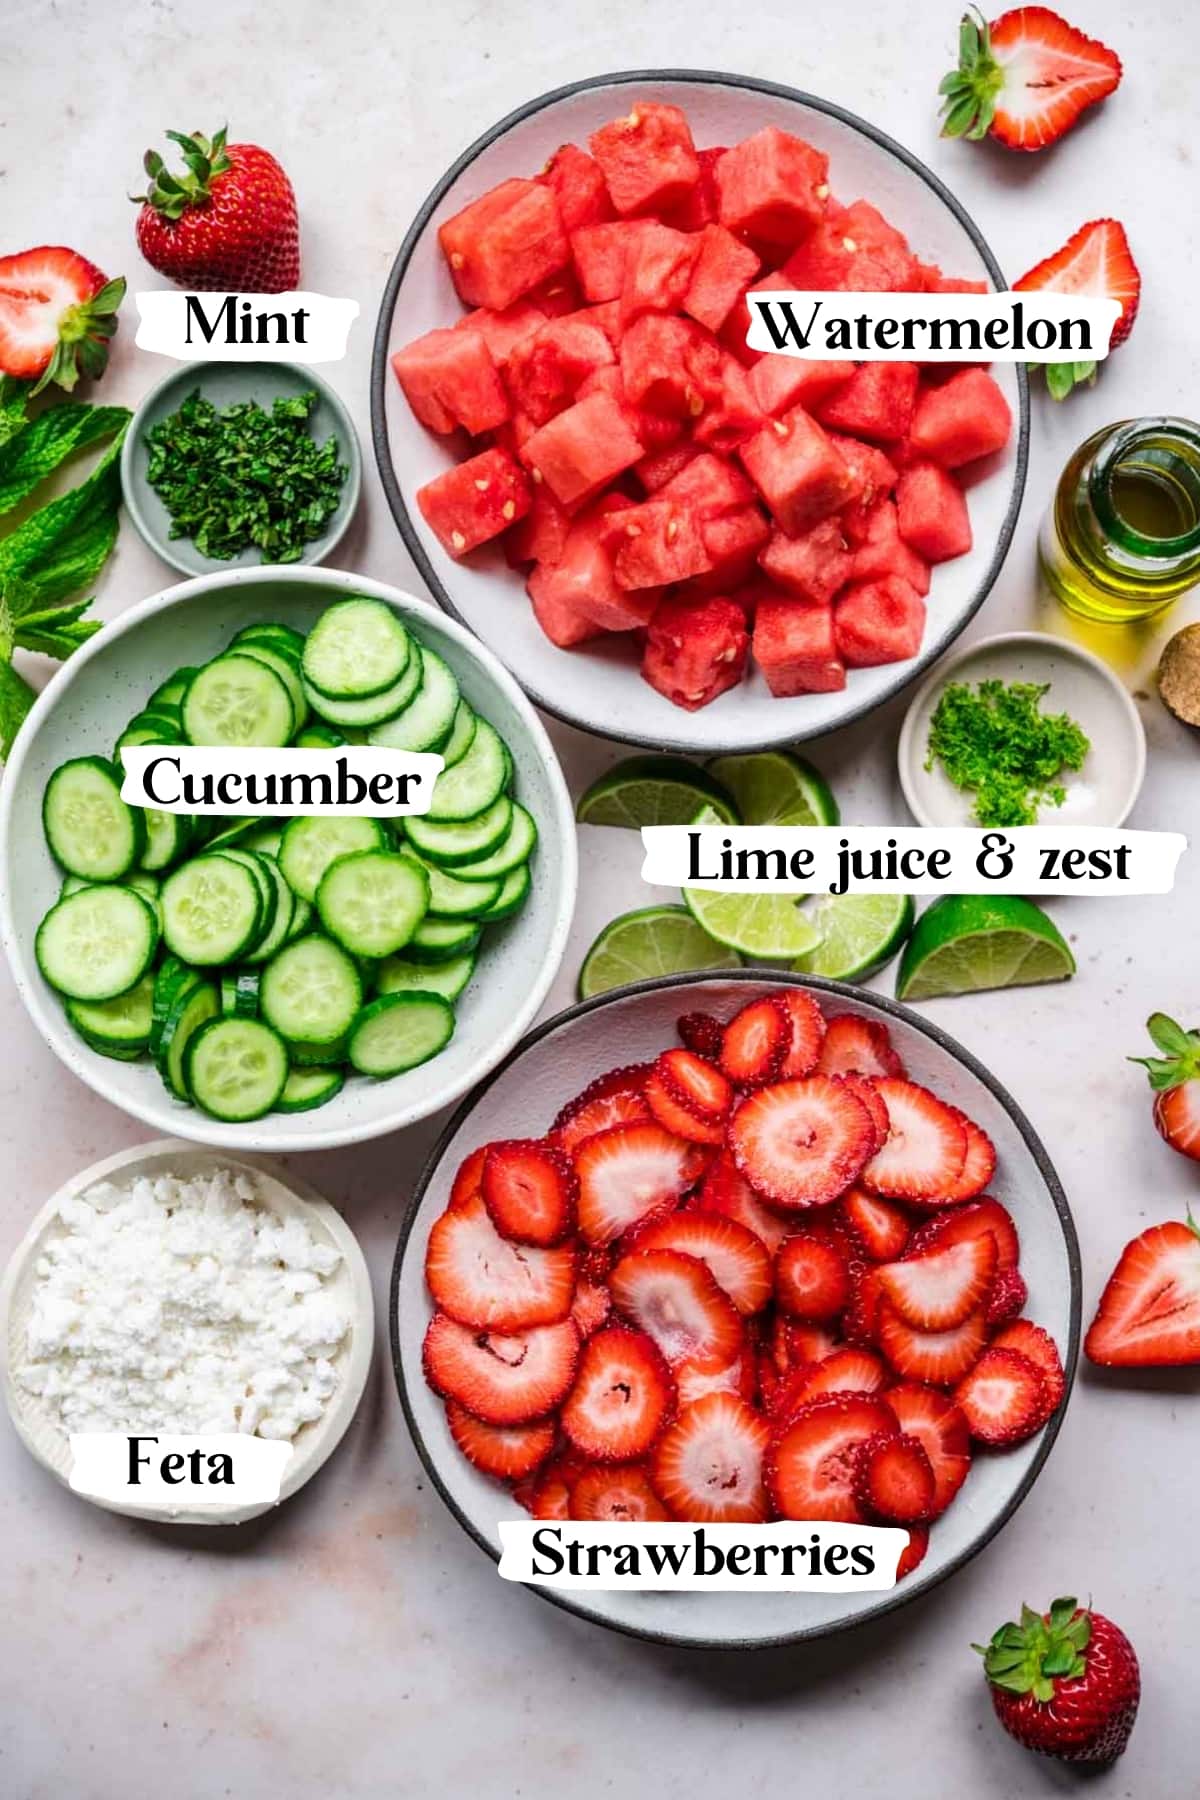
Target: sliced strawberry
[1149,1313]
[854,1045]
[622,1397]
[726,1190]
[619,1496]
[529,1187]
[708,1464]
[939,1426]
[756,1041]
[1007,1298]
[810,1467]
[509,1452]
[926,1145]
[812,1277]
[1096,261]
[893,1479]
[1031,1341]
[939,1357]
[628,1172]
[738,1377]
[626,1107]
[595,1262]
[865,1091]
[808,1033]
[482,1280]
[801,1143]
[961,1222]
[677,1301]
[913,1553]
[504,1380]
[844,1371]
[695,1083]
[700,1032]
[860,1321]
[57,313]
[465,1185]
[590,1307]
[735,1257]
[804,1345]
[551,1495]
[1025,78]
[979,1163]
[879,1228]
[938,1289]
[1003,1399]
[677,1118]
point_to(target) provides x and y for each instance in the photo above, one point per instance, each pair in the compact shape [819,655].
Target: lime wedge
[653,790]
[967,942]
[859,933]
[773,787]
[657,940]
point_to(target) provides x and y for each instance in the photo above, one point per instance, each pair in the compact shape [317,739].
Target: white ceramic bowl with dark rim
[632,1024]
[84,709]
[598,687]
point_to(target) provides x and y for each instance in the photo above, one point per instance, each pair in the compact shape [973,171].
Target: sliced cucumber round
[462,735]
[516,847]
[239,993]
[212,910]
[514,892]
[356,649]
[318,737]
[311,991]
[449,845]
[399,974]
[438,940]
[472,785]
[283,638]
[168,835]
[373,902]
[98,942]
[235,1069]
[451,897]
[428,719]
[309,845]
[285,667]
[373,709]
[90,830]
[191,1009]
[120,1027]
[305,1089]
[400,1031]
[237,701]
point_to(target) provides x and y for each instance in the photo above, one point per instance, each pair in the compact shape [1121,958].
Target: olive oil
[1121,539]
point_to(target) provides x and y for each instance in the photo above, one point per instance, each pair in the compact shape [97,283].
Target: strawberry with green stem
[1175,1078]
[1095,261]
[227,223]
[1065,1683]
[1024,79]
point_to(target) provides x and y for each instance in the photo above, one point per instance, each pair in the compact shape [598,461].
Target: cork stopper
[1179,675]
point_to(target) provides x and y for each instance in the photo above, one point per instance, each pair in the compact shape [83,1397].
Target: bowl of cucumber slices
[284,983]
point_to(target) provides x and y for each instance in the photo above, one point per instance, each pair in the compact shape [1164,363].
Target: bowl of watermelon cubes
[739,1249]
[667,536]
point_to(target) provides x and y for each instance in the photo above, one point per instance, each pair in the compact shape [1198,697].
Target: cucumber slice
[149,728]
[400,1031]
[149,887]
[373,901]
[302,914]
[236,832]
[90,830]
[306,1088]
[239,993]
[169,694]
[119,1027]
[515,848]
[235,1069]
[471,786]
[97,943]
[514,892]
[356,649]
[285,906]
[283,638]
[318,1056]
[212,910]
[450,896]
[309,845]
[450,845]
[264,840]
[168,835]
[191,1010]
[285,667]
[268,888]
[428,719]
[462,735]
[311,992]
[371,709]
[169,982]
[398,975]
[237,700]
[437,940]
[318,737]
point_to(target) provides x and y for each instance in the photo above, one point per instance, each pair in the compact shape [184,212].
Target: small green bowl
[225,384]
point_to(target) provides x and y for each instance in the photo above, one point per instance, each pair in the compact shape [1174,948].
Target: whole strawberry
[1065,1684]
[1175,1078]
[227,224]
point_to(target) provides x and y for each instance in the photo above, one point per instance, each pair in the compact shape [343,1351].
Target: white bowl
[85,707]
[38,1426]
[599,689]
[1101,793]
[555,1062]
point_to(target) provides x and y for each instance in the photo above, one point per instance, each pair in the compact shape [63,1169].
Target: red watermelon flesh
[450,380]
[932,514]
[475,500]
[879,622]
[599,252]
[875,475]
[546,371]
[798,471]
[884,552]
[660,466]
[503,331]
[657,272]
[670,366]
[778,382]
[876,403]
[695,650]
[733,540]
[541,536]
[503,244]
[653,430]
[583,581]
[582,449]
[577,183]
[795,647]
[737,324]
[812,566]
[700,207]
[562,622]
[855,249]
[723,270]
[772,187]
[648,158]
[732,414]
[710,485]
[656,543]
[961,420]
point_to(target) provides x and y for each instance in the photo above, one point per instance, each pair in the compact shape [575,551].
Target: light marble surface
[357,1644]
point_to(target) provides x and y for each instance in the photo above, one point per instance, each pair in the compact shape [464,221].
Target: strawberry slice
[1149,1313]
[864,1090]
[1097,260]
[1024,79]
[590,1307]
[628,1172]
[802,1143]
[735,1257]
[551,1494]
[845,1371]
[620,1496]
[803,1346]
[725,1190]
[811,1466]
[1003,1399]
[938,1357]
[940,1428]
[808,1033]
[880,1229]
[940,1288]
[913,1553]
[504,1380]
[529,1187]
[482,1280]
[677,1118]
[676,1300]
[57,313]
[622,1397]
[812,1278]
[703,1034]
[738,1377]
[610,1100]
[1007,1298]
[979,1163]
[695,1083]
[926,1145]
[466,1183]
[893,1479]
[856,1046]
[1031,1341]
[709,1464]
[860,1321]
[509,1452]
[960,1222]
[756,1041]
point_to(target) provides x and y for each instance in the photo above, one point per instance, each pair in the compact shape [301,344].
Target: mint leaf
[14,397]
[62,547]
[16,699]
[37,448]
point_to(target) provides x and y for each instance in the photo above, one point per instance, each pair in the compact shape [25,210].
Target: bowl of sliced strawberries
[666,535]
[738,1249]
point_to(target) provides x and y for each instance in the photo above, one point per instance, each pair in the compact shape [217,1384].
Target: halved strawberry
[960,1222]
[482,1280]
[808,1033]
[1025,78]
[844,1371]
[938,1289]
[738,1377]
[618,1496]
[1149,1313]
[612,1099]
[939,1426]
[622,1396]
[726,1190]
[677,1118]
[529,1187]
[939,1357]
[628,1172]
[864,1090]
[700,1032]
[590,1307]
[509,1452]
[801,1143]
[756,1041]
[465,1185]
[926,1145]
[1007,1298]
[811,1465]
[1003,1398]
[1096,261]
[57,313]
[879,1228]
[913,1553]
[979,1163]
[1031,1341]
[854,1045]
[695,1083]
[676,1299]
[504,1380]
[708,1464]
[812,1277]
[893,1479]
[736,1258]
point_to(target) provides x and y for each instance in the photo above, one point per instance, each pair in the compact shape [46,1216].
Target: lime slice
[966,942]
[656,940]
[761,926]
[653,790]
[859,933]
[773,787]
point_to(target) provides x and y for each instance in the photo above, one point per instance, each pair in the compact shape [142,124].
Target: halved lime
[859,933]
[655,940]
[964,943]
[773,787]
[653,790]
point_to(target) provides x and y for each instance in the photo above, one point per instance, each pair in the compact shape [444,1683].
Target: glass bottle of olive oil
[1121,539]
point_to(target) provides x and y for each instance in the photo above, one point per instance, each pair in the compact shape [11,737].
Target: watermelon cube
[450,380]
[723,271]
[795,647]
[475,500]
[546,371]
[772,187]
[656,543]
[798,471]
[877,402]
[879,622]
[961,420]
[661,466]
[854,248]
[648,158]
[778,382]
[737,322]
[695,650]
[541,535]
[503,244]
[582,449]
[700,207]
[559,295]
[670,366]
[599,253]
[874,474]
[932,513]
[658,269]
[732,414]
[883,551]
[607,315]
[654,431]
[503,331]
[733,541]
[577,183]
[583,581]
[710,485]
[812,566]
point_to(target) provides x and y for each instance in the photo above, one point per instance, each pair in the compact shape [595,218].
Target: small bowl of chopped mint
[1022,729]
[233,464]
